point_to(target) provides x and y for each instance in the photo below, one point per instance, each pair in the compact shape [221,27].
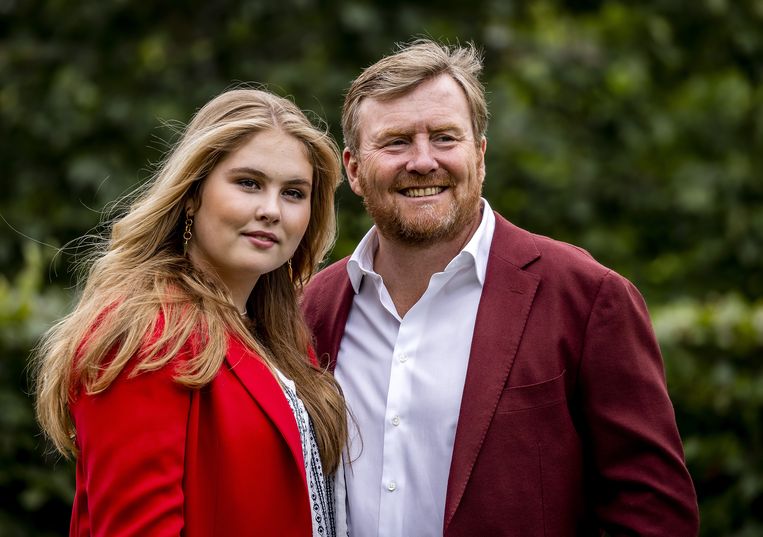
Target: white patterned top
[319,488]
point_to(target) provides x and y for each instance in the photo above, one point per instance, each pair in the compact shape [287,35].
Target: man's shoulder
[327,282]
[542,254]
[333,273]
[325,299]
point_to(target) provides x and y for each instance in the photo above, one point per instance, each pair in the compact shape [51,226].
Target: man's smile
[420,192]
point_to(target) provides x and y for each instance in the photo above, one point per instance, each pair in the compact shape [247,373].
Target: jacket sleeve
[641,483]
[131,440]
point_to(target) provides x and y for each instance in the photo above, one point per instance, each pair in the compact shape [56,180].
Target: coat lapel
[263,387]
[504,307]
[327,311]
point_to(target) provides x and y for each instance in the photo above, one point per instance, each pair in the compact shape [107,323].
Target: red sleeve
[643,485]
[131,440]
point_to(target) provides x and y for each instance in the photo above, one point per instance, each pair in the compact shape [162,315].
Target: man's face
[418,166]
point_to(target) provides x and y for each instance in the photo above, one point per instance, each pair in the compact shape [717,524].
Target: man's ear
[481,157]
[351,167]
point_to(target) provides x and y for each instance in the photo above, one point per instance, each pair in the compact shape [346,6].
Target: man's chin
[422,225]
[419,232]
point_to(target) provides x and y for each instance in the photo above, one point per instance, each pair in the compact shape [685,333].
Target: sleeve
[131,440]
[642,486]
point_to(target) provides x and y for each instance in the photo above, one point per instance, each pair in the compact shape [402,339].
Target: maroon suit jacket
[565,426]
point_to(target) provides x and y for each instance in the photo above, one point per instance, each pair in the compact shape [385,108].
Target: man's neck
[406,269]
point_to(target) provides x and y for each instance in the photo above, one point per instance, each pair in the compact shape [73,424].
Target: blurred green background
[633,129]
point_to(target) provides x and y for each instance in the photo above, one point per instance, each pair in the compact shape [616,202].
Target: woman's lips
[262,239]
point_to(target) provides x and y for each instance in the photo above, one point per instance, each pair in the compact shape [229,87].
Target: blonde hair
[405,69]
[141,275]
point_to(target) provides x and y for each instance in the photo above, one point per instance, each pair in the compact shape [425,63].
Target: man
[502,383]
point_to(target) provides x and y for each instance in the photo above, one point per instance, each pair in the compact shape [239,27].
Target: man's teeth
[420,192]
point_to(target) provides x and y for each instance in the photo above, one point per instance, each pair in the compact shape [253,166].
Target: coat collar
[263,387]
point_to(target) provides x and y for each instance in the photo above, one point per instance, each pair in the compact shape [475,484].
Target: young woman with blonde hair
[183,381]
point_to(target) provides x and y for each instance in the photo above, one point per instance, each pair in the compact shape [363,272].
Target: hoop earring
[187,235]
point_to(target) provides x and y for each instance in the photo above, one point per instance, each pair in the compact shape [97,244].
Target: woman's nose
[268,208]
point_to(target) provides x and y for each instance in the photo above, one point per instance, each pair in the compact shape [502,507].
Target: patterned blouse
[319,488]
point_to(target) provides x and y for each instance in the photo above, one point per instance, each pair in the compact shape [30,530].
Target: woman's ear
[192,202]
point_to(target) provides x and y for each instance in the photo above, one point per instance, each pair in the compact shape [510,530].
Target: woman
[173,380]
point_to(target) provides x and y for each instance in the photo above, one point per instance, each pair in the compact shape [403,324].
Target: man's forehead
[438,104]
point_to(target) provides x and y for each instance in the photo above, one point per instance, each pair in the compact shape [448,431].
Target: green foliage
[622,129]
[712,351]
[31,485]
[634,129]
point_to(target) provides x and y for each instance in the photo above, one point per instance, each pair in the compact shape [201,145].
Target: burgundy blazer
[158,459]
[565,428]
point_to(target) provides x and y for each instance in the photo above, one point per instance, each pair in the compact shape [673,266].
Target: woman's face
[254,209]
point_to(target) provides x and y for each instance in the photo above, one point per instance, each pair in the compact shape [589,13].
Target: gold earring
[291,274]
[187,233]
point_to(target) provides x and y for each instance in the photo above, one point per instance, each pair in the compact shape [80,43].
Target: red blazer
[565,426]
[158,459]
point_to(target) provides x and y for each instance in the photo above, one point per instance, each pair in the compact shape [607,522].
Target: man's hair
[412,64]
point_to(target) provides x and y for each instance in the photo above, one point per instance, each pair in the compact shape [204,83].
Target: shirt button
[403,358]
[391,486]
[396,421]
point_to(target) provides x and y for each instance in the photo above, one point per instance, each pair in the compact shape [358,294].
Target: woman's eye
[294,193]
[249,183]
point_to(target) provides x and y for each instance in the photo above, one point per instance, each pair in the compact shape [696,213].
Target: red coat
[565,428]
[158,459]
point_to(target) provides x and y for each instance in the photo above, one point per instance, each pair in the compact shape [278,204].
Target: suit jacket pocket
[546,393]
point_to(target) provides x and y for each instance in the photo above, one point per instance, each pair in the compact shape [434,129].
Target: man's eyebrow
[442,127]
[392,133]
[446,127]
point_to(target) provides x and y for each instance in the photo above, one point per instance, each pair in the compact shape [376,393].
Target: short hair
[405,69]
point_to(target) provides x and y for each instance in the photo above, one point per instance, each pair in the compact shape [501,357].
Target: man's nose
[422,160]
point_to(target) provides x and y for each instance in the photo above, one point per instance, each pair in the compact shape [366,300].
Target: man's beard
[431,224]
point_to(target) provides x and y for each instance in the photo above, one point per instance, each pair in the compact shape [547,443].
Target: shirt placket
[399,399]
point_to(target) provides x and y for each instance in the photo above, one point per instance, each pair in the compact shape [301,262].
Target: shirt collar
[362,260]
[475,253]
[477,250]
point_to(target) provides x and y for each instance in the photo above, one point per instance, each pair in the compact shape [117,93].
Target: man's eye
[397,141]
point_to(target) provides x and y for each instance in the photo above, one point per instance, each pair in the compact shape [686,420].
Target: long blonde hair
[141,275]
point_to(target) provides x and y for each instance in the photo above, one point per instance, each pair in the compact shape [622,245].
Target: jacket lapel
[504,307]
[263,387]
[328,309]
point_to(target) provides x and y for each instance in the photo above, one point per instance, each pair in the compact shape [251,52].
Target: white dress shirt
[403,379]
